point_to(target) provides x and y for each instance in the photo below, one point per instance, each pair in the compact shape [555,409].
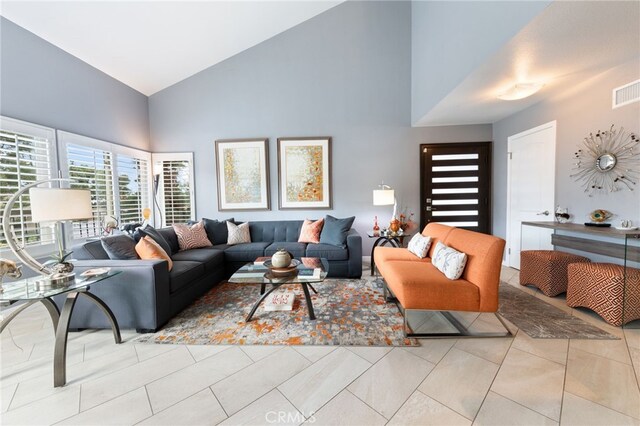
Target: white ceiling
[150,45]
[567,43]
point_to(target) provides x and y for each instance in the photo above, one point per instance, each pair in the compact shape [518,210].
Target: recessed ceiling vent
[627,94]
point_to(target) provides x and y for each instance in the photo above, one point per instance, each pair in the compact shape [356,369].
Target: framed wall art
[243,174]
[304,173]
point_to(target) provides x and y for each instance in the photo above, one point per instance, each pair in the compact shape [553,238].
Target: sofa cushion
[296,249]
[386,254]
[247,252]
[449,261]
[148,249]
[216,230]
[191,236]
[89,250]
[310,232]
[419,285]
[238,234]
[327,251]
[274,231]
[170,236]
[120,247]
[184,273]
[210,257]
[335,231]
[156,236]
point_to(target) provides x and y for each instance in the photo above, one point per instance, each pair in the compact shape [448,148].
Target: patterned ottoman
[547,269]
[600,287]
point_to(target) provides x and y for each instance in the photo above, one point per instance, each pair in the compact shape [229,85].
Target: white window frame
[26,128]
[66,138]
[157,161]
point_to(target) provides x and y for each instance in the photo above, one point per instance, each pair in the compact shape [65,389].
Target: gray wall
[43,84]
[345,73]
[584,108]
[451,39]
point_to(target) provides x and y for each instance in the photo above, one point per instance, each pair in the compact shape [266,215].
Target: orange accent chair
[418,285]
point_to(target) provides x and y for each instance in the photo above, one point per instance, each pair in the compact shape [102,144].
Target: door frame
[510,140]
[423,184]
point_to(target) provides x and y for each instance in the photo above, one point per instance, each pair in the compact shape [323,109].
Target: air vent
[627,94]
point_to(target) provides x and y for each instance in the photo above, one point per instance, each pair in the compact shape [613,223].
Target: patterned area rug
[348,312]
[541,320]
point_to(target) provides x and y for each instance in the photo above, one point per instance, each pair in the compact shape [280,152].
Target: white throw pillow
[419,245]
[449,261]
[238,234]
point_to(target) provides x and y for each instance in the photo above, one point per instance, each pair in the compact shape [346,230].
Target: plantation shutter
[175,192]
[133,188]
[25,157]
[92,168]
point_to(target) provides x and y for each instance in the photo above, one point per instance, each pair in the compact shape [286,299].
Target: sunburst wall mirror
[608,161]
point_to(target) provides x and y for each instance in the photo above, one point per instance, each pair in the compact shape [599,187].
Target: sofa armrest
[139,296]
[354,245]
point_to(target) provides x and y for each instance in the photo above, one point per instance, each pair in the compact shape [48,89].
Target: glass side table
[395,240]
[25,291]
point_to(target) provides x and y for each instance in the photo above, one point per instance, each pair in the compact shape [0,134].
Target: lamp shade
[383,197]
[58,204]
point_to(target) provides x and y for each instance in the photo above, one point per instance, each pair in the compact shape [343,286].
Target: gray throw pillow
[120,247]
[216,230]
[334,231]
[153,233]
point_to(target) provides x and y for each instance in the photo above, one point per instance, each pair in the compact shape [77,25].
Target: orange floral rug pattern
[348,312]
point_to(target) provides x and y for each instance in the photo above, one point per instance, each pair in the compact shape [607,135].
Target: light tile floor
[446,381]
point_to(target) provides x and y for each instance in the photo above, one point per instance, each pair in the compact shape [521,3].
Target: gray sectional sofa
[146,295]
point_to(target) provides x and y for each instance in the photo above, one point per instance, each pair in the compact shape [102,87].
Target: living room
[142,107]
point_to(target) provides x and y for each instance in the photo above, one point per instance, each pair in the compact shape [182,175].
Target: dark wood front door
[455,185]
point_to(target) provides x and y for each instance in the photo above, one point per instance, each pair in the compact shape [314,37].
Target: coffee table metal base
[274,286]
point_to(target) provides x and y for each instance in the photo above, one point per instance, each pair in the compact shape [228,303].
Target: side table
[395,240]
[25,291]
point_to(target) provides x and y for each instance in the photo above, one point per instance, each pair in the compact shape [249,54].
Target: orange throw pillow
[148,249]
[310,232]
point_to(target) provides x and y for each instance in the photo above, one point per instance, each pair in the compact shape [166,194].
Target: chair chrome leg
[463,332]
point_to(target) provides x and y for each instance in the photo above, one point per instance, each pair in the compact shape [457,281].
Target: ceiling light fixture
[520,91]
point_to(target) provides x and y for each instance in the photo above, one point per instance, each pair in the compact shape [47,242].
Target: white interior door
[531,190]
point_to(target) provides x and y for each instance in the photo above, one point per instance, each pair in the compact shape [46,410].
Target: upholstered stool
[547,269]
[601,288]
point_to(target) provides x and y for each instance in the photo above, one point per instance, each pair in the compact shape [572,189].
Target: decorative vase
[376,228]
[394,225]
[281,259]
[562,214]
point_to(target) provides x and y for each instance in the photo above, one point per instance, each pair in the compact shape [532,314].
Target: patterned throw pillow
[310,232]
[191,237]
[238,234]
[449,261]
[148,249]
[419,245]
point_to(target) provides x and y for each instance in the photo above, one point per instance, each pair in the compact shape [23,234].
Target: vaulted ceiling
[150,45]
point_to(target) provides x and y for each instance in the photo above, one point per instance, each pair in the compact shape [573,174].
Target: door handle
[544,213]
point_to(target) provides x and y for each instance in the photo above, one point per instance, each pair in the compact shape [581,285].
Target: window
[118,178]
[27,154]
[174,194]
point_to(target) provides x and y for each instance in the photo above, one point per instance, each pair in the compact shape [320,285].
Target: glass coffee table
[310,271]
[26,291]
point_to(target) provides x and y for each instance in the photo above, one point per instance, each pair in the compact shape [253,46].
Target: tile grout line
[524,406]
[636,372]
[220,403]
[312,361]
[603,406]
[513,339]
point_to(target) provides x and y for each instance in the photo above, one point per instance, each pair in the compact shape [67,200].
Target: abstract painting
[243,174]
[304,173]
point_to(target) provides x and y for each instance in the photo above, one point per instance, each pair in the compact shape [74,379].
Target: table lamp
[385,196]
[48,205]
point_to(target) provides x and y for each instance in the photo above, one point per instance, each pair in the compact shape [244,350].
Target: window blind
[133,188]
[24,159]
[176,191]
[92,168]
